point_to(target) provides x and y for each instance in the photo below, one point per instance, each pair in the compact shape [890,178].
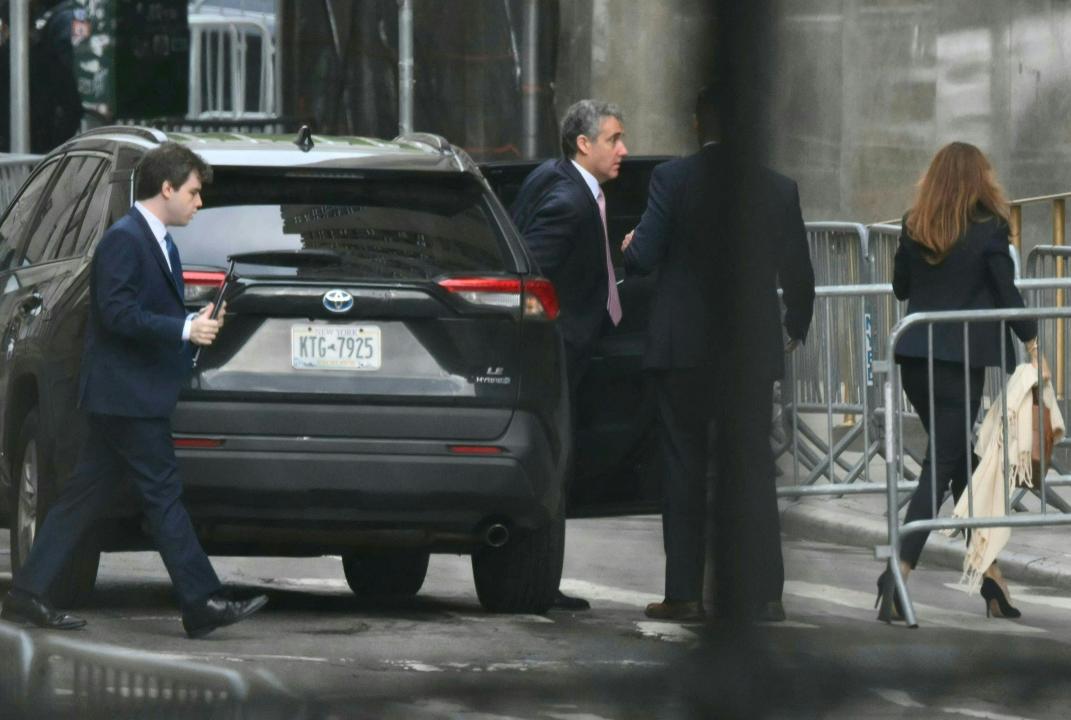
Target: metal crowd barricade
[893,439]
[220,54]
[14,169]
[49,675]
[820,376]
[16,663]
[818,392]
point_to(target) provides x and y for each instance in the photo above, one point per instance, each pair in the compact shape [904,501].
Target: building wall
[868,90]
[647,57]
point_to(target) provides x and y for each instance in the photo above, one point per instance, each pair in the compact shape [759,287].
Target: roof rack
[142,132]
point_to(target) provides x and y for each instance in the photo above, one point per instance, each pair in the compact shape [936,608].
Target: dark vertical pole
[530,80]
[20,76]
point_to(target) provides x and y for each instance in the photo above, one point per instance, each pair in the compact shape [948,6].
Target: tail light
[475,450]
[201,286]
[540,299]
[197,443]
[535,298]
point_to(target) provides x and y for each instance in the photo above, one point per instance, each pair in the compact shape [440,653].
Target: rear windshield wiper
[307,258]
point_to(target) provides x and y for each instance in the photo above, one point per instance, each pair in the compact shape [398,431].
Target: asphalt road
[439,655]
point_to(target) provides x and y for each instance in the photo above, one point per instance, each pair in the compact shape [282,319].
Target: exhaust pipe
[496,535]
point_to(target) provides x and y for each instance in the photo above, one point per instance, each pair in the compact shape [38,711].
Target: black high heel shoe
[888,599]
[996,602]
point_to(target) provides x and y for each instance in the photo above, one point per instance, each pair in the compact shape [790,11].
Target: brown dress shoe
[679,610]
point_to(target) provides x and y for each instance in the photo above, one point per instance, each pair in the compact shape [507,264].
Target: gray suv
[405,399]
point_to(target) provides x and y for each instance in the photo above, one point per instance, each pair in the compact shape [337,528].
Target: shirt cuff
[186,327]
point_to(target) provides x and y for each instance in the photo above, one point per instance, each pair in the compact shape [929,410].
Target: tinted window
[414,227]
[96,205]
[62,211]
[15,224]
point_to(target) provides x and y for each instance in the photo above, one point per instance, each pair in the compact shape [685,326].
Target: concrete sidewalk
[1035,556]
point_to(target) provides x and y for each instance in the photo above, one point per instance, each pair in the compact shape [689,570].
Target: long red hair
[959,187]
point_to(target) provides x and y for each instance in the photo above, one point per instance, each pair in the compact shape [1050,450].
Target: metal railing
[221,54]
[823,382]
[894,438]
[833,374]
[50,675]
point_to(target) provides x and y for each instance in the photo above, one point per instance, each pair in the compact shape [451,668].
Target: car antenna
[304,138]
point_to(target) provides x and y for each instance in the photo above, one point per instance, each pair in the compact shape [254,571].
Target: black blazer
[134,362]
[559,219]
[725,285]
[977,274]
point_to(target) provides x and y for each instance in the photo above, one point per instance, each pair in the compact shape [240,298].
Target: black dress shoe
[563,601]
[218,611]
[22,607]
[772,611]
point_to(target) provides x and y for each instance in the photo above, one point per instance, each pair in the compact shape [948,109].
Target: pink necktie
[613,302]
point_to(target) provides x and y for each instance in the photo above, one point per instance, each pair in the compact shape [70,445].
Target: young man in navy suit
[561,212]
[723,232]
[136,358]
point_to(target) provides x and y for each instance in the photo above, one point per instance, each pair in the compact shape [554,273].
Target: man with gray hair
[561,211]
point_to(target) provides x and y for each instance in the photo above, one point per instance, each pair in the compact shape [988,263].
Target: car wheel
[34,489]
[522,575]
[400,573]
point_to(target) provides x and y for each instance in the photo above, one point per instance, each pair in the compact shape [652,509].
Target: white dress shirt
[593,184]
[159,231]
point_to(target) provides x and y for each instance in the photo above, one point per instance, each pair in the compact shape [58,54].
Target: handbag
[1043,439]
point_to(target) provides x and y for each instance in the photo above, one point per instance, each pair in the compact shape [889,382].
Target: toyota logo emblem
[338,301]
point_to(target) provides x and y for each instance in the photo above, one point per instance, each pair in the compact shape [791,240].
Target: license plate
[335,347]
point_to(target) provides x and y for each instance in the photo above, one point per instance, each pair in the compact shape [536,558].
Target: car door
[20,303]
[615,414]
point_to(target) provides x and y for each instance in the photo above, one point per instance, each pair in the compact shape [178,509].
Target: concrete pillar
[648,57]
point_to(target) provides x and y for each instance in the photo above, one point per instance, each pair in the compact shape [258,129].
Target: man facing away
[135,360]
[561,212]
[722,231]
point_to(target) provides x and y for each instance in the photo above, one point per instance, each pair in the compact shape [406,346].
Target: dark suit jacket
[560,222]
[134,361]
[715,290]
[977,274]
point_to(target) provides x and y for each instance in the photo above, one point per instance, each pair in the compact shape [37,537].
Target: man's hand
[203,329]
[628,240]
[792,345]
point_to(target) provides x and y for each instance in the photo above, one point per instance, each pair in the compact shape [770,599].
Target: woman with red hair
[953,255]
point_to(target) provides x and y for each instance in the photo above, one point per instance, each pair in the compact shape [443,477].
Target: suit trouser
[683,422]
[748,564]
[117,447]
[950,411]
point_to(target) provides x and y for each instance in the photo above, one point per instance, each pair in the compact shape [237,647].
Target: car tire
[391,574]
[522,576]
[34,490]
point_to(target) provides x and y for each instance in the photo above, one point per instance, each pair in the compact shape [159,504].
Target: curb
[825,524]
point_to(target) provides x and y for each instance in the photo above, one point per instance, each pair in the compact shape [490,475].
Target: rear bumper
[313,491]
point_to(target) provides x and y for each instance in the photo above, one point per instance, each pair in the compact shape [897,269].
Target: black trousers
[700,419]
[142,449]
[953,416]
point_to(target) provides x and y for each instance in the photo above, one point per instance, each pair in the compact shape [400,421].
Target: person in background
[953,255]
[714,350]
[560,211]
[136,358]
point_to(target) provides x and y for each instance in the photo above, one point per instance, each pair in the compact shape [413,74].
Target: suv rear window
[408,227]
